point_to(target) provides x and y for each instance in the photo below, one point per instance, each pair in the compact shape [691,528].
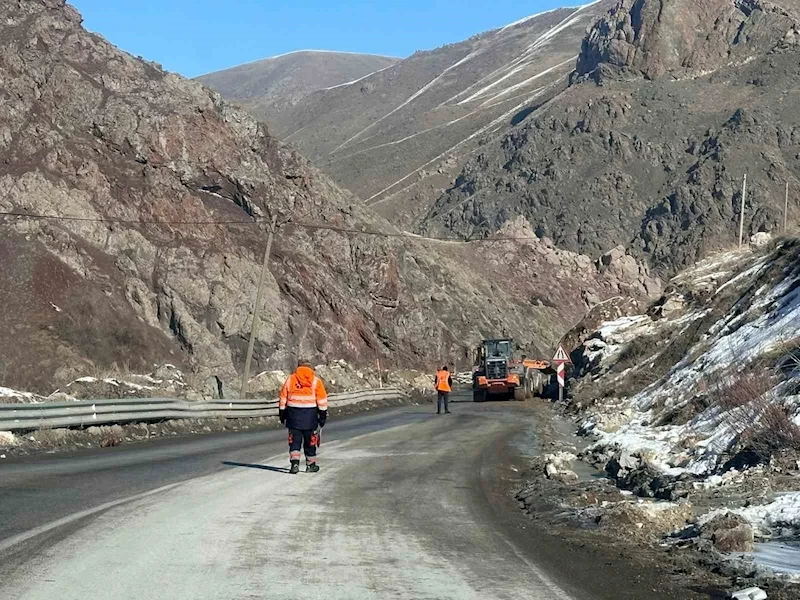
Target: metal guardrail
[87,413]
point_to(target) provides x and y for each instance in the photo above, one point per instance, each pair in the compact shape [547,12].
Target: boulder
[649,518]
[7,439]
[729,532]
[760,239]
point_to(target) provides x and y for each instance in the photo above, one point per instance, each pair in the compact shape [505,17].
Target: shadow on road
[228,463]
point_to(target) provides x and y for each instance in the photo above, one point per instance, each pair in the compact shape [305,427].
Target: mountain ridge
[647,147]
[156,167]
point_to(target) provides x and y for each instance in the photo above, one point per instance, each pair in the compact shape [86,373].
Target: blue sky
[194,37]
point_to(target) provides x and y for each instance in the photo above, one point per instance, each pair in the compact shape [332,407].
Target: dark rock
[729,533]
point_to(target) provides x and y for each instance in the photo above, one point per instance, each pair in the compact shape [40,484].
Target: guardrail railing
[86,413]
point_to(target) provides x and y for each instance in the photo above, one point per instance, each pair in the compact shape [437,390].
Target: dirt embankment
[689,425]
[573,501]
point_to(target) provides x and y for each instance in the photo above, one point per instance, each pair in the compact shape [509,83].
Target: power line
[119,221]
[256,221]
[302,225]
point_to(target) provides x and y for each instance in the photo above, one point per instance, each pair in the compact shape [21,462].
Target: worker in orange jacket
[303,408]
[444,385]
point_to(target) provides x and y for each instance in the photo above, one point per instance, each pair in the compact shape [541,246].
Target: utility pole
[786,210]
[741,216]
[257,308]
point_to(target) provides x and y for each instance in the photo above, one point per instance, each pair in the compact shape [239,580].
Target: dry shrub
[741,390]
[635,381]
[109,441]
[753,410]
[636,351]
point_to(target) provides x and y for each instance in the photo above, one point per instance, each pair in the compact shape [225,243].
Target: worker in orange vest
[303,408]
[444,385]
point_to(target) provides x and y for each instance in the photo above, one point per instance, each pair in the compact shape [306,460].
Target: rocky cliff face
[672,103]
[150,173]
[684,38]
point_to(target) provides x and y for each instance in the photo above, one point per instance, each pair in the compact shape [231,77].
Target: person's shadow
[228,463]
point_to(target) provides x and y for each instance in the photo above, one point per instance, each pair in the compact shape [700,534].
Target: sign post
[561,358]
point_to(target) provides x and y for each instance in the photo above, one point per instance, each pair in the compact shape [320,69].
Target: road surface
[408,504]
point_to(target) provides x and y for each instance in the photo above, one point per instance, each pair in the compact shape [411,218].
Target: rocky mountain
[671,104]
[398,137]
[147,198]
[278,83]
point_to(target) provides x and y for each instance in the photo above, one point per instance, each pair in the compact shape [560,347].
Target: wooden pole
[257,308]
[786,210]
[741,215]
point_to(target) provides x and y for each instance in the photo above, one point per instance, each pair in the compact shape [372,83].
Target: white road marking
[15,540]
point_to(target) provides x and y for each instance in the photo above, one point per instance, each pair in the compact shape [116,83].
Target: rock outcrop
[685,37]
[672,103]
[163,191]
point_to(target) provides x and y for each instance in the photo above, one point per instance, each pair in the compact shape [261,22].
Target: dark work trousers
[444,398]
[307,440]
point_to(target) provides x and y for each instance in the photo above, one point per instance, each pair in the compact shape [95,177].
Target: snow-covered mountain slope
[697,403]
[404,131]
[708,379]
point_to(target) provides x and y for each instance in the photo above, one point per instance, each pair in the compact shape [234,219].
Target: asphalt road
[408,504]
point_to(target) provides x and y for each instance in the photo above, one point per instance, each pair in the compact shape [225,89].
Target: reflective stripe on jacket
[303,389]
[443,381]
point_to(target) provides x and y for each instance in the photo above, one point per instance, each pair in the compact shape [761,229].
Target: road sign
[560,374]
[561,356]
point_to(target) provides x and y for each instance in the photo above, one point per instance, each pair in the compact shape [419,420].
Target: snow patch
[9,393]
[760,323]
[779,557]
[780,518]
[7,439]
[333,87]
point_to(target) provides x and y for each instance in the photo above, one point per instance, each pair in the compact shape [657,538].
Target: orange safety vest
[303,389]
[442,381]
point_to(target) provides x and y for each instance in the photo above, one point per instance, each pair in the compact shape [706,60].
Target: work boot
[312,468]
[295,469]
[447,412]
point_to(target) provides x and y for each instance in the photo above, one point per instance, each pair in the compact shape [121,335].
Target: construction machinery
[498,375]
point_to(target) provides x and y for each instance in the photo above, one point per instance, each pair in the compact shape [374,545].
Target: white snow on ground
[117,382]
[780,557]
[9,396]
[411,98]
[308,51]
[780,518]
[699,446]
[333,87]
[372,199]
[9,393]
[405,139]
[516,86]
[523,59]
[7,439]
[531,18]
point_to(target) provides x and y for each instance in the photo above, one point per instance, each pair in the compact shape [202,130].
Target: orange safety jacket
[443,381]
[303,389]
